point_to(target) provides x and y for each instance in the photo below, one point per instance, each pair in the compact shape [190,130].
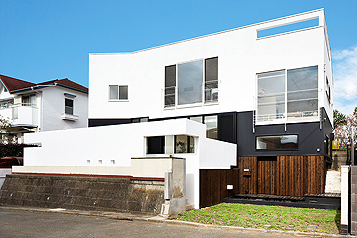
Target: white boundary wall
[69,151]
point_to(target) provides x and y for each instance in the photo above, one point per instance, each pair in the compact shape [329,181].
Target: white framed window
[118,92]
[287,94]
[191,82]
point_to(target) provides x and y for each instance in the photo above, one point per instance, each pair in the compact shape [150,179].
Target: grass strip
[256,216]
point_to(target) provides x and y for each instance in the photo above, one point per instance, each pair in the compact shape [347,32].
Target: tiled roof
[66,82]
[13,84]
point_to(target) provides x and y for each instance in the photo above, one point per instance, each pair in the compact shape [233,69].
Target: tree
[339,118]
[343,130]
[7,131]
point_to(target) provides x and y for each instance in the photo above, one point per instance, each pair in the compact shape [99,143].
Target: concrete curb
[160,219]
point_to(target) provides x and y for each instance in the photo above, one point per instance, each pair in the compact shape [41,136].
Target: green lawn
[256,216]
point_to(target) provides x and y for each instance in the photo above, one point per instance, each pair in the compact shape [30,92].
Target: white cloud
[345,79]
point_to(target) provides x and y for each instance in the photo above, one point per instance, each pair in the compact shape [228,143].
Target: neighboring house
[255,102]
[53,105]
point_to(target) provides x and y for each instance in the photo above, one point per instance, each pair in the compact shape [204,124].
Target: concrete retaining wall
[84,193]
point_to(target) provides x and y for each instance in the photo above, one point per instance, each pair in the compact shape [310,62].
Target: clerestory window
[191,82]
[287,94]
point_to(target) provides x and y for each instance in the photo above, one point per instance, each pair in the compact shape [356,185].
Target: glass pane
[113,91]
[278,98]
[170,100]
[190,78]
[303,78]
[302,95]
[68,102]
[123,92]
[270,83]
[211,69]
[303,106]
[33,100]
[198,119]
[271,111]
[181,144]
[211,91]
[170,76]
[68,110]
[211,126]
[192,144]
[277,142]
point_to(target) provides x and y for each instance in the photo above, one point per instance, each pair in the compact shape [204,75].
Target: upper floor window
[288,94]
[191,82]
[289,142]
[118,92]
[29,100]
[68,109]
[328,90]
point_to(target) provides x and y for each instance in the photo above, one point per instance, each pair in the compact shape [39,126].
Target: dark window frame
[277,149]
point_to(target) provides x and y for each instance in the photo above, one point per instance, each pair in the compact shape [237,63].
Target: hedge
[13,149]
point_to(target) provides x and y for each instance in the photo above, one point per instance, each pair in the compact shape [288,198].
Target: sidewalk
[158,219]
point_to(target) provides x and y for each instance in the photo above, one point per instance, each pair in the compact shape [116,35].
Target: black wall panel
[107,122]
[311,137]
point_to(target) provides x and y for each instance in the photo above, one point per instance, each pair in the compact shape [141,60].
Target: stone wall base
[83,193]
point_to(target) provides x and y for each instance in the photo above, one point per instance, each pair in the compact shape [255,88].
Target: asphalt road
[38,224]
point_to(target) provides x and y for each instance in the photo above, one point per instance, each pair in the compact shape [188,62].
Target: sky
[42,40]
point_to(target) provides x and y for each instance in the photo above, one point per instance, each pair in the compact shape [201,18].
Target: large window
[191,82]
[118,92]
[277,142]
[184,144]
[288,94]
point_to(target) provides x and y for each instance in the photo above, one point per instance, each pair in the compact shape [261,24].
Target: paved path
[19,222]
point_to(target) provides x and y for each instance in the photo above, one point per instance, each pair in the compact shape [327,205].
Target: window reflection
[211,126]
[277,142]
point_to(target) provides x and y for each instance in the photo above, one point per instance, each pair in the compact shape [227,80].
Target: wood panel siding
[282,175]
[267,175]
[213,185]
[248,179]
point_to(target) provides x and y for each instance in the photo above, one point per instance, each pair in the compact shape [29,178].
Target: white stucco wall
[240,57]
[70,150]
[53,106]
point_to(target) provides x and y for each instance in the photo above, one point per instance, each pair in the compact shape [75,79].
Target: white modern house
[53,105]
[254,101]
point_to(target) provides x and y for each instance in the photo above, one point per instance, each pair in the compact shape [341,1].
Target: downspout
[40,109]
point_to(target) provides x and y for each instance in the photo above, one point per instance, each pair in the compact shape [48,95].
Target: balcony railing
[20,113]
[284,117]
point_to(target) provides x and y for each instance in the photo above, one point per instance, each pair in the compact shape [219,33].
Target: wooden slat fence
[280,175]
[213,185]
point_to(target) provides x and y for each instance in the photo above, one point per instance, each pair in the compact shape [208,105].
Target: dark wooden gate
[267,175]
[213,185]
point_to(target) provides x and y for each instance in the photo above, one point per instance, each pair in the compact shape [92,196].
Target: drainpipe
[352,146]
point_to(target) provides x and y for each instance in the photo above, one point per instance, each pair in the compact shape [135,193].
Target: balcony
[21,114]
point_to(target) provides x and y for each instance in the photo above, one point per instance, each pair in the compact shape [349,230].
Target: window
[29,100]
[155,145]
[191,82]
[170,144]
[118,92]
[277,142]
[287,94]
[68,106]
[211,126]
[184,144]
[328,91]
